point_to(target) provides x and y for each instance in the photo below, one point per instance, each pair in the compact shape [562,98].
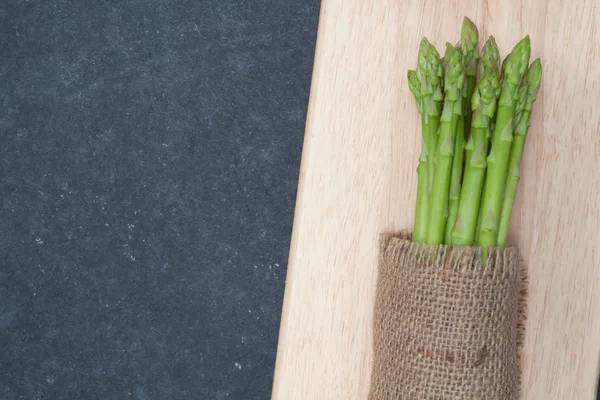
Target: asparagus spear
[468,46]
[452,112]
[489,56]
[484,107]
[420,227]
[429,73]
[513,69]
[527,94]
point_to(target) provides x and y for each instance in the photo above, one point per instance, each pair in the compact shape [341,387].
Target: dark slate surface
[149,155]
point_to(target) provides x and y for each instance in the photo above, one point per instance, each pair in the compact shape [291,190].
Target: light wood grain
[358,179]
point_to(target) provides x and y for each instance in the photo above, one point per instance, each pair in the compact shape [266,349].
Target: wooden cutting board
[358,179]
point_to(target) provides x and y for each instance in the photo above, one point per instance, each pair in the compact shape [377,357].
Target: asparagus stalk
[452,112]
[484,107]
[488,137]
[468,46]
[489,56]
[429,73]
[420,226]
[527,94]
[455,179]
[513,69]
[479,215]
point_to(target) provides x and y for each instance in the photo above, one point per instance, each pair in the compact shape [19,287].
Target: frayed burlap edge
[503,262]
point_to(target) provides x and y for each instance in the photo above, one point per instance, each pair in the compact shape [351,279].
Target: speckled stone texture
[149,156]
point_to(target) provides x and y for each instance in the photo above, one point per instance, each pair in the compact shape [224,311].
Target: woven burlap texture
[446,325]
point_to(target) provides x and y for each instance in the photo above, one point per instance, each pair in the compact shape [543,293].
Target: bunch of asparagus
[475,114]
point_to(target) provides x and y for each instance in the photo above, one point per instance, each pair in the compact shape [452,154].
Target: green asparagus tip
[469,45]
[534,80]
[429,71]
[454,77]
[454,66]
[528,88]
[428,55]
[413,83]
[415,87]
[517,61]
[469,35]
[449,48]
[490,56]
[487,92]
[521,98]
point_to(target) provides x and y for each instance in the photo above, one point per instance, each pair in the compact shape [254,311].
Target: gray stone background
[149,157]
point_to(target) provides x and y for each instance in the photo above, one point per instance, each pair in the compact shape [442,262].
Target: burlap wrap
[446,326]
